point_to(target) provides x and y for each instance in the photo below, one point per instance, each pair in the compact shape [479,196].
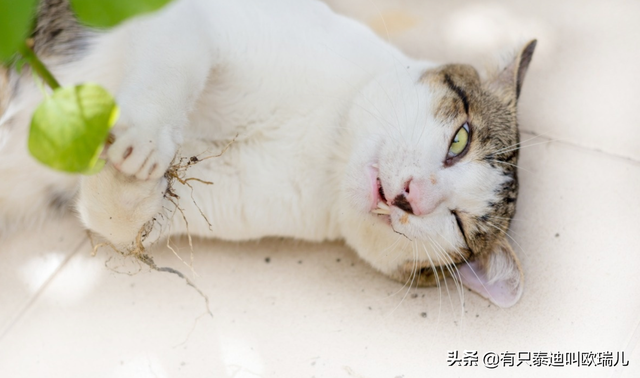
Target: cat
[336,134]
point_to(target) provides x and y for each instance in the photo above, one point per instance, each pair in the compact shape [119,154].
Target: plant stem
[38,66]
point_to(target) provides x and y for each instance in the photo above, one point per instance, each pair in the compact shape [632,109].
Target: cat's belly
[260,188]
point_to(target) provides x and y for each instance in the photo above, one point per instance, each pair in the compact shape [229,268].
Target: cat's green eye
[459,142]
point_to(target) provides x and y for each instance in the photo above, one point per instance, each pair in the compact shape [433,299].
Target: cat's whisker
[457,279]
[513,165]
[435,272]
[444,276]
[414,247]
[446,285]
[411,277]
[509,219]
[517,144]
[398,238]
[468,265]
[500,219]
[392,248]
[397,255]
[509,236]
[521,147]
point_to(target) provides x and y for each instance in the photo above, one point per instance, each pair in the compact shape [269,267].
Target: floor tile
[30,259]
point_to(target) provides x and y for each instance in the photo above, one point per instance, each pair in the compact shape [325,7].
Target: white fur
[314,99]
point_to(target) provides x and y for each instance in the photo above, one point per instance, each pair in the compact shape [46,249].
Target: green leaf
[108,13]
[18,64]
[69,129]
[96,168]
[16,18]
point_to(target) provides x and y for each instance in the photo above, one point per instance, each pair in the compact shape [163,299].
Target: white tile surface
[29,260]
[306,314]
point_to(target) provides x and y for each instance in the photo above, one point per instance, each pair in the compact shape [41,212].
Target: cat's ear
[509,80]
[496,276]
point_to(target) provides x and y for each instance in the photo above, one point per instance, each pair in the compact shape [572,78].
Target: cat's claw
[139,154]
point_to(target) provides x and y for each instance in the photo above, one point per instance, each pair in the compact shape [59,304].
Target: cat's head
[432,180]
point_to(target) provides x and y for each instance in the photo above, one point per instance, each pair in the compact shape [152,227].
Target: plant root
[177,172]
[139,253]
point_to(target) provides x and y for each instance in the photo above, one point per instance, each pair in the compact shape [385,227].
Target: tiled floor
[283,308]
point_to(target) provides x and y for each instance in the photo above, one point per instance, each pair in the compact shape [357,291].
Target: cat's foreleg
[166,62]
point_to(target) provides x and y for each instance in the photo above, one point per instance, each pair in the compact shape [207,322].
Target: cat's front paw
[117,206]
[141,153]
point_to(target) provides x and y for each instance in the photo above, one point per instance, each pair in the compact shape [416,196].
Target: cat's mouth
[382,207]
[379,203]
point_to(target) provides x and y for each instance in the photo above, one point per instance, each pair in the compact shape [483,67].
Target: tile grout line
[609,154]
[37,295]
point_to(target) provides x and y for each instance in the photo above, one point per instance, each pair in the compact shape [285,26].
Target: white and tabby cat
[339,136]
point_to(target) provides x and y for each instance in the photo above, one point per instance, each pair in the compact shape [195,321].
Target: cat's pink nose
[417,198]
